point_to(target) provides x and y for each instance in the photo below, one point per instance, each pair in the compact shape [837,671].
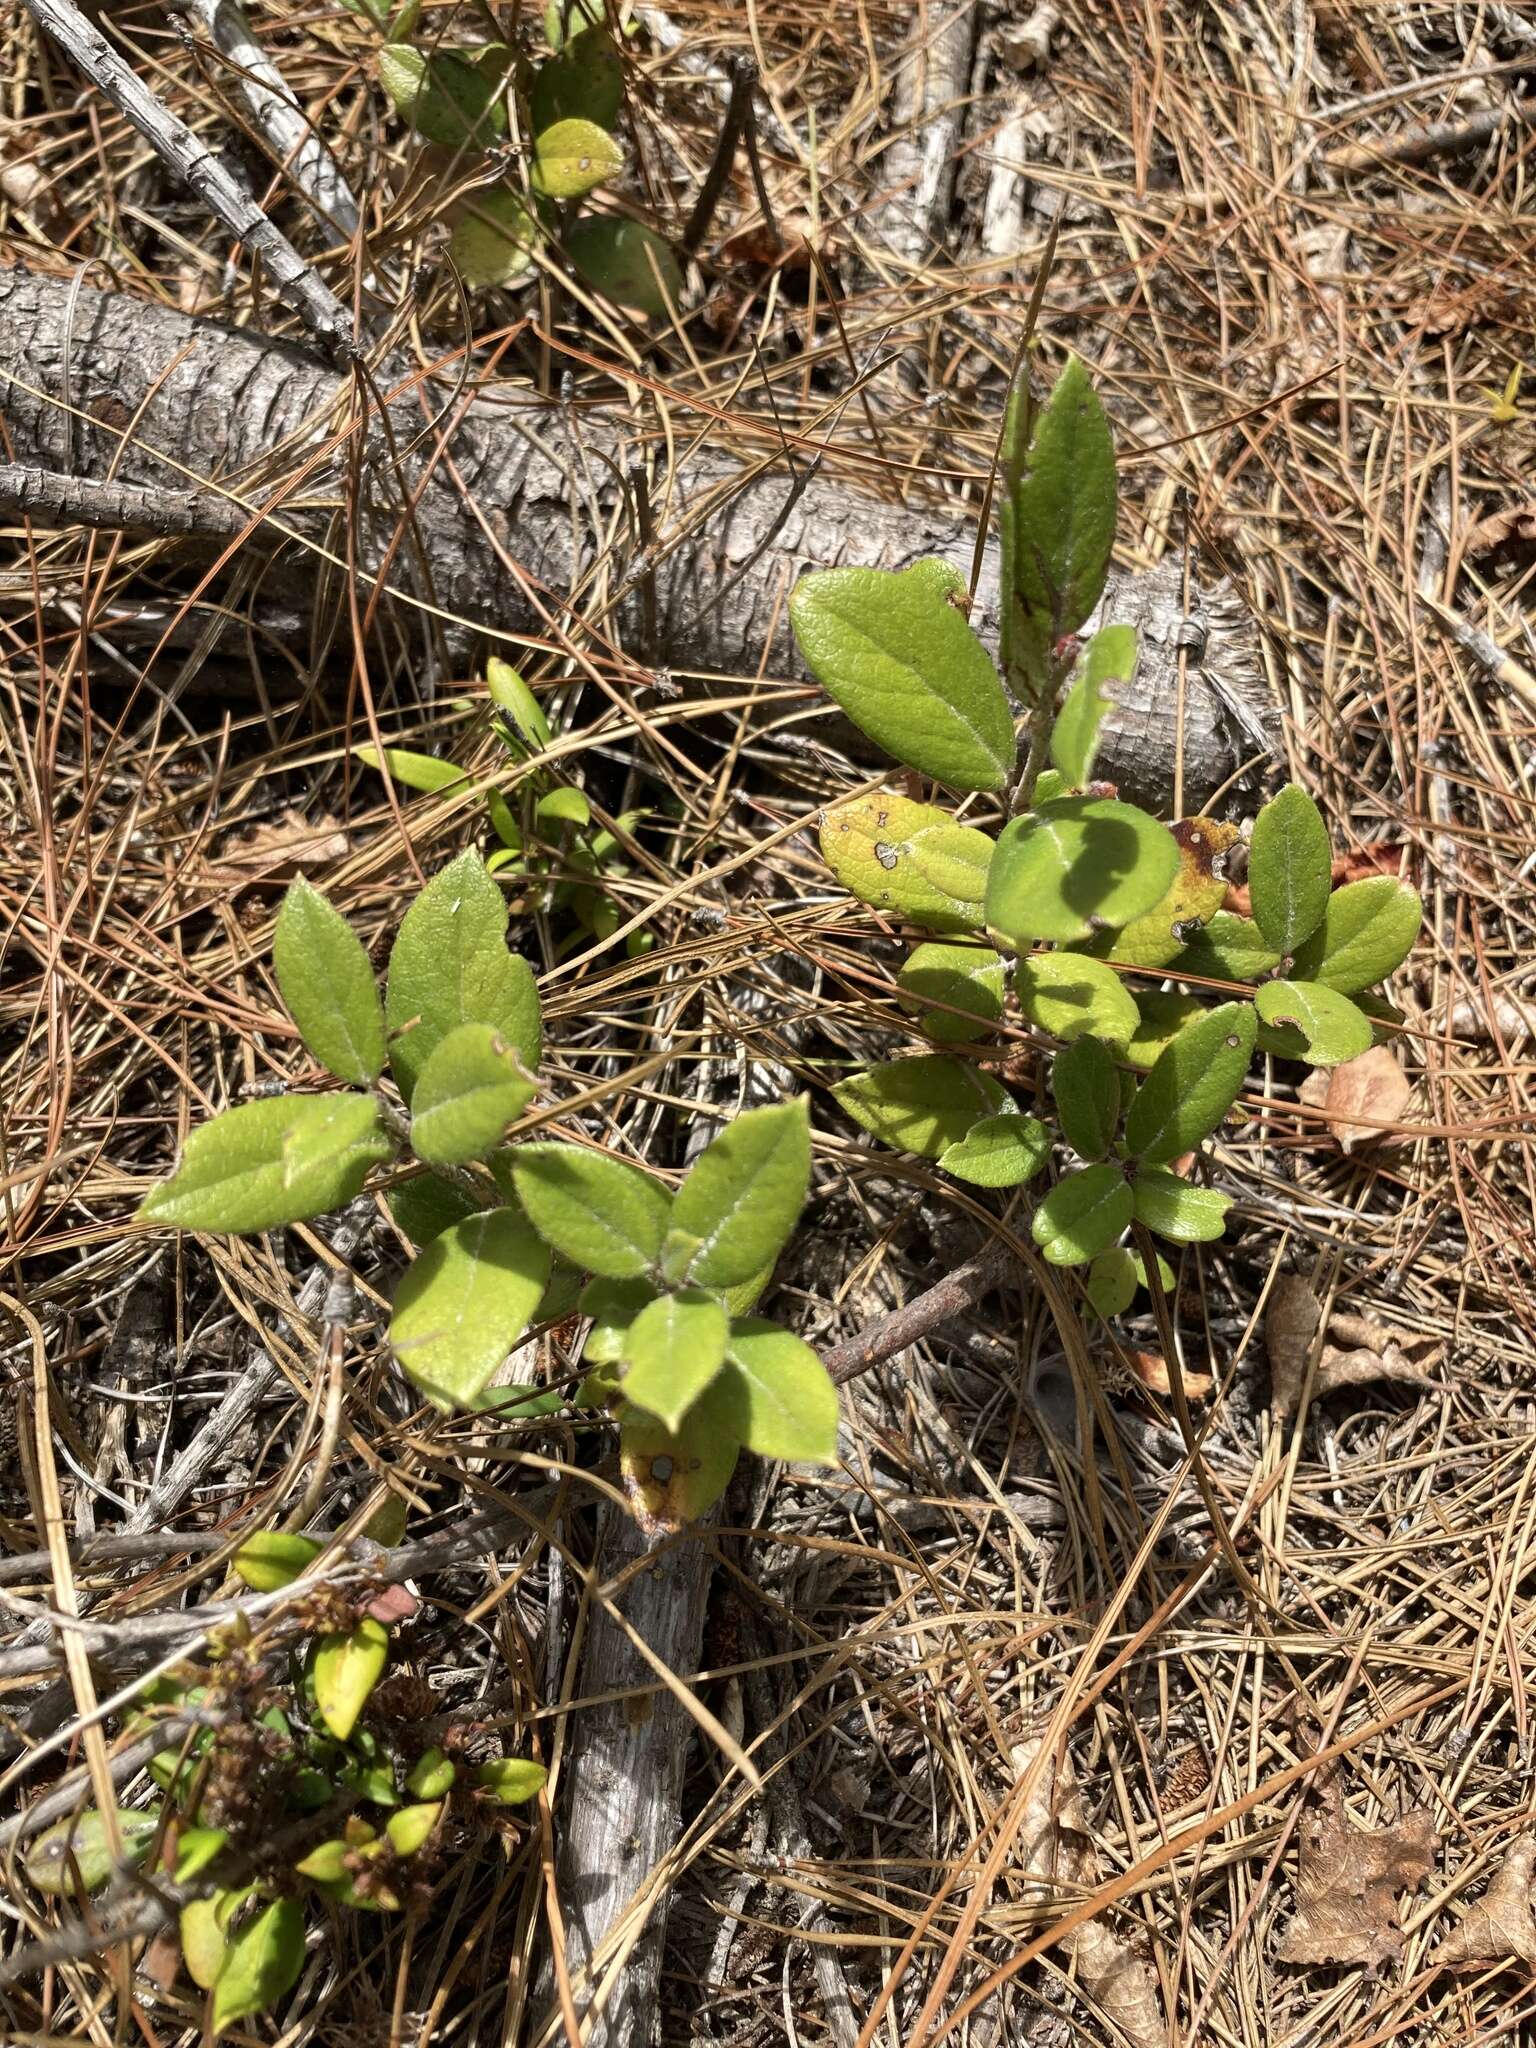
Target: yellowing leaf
[910,859]
[1193,897]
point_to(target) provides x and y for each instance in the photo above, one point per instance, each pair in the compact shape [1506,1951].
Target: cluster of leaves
[1149,996]
[458,102]
[314,1757]
[590,857]
[514,1234]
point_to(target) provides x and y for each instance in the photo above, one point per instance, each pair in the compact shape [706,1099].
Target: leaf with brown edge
[1501,1926]
[1193,898]
[1362,1099]
[1348,1881]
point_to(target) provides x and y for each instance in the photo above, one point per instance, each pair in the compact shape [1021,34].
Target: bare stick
[951,1296]
[55,500]
[199,169]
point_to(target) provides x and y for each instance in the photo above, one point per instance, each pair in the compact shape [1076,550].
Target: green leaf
[890,649]
[410,1829]
[1161,1014]
[511,1780]
[782,1402]
[196,1849]
[1070,994]
[428,1205]
[348,1665]
[266,1164]
[968,979]
[672,1350]
[1082,1215]
[673,1476]
[274,1557]
[626,263]
[325,979]
[1111,1281]
[424,772]
[563,807]
[450,966]
[1230,948]
[1310,1022]
[1086,1084]
[1109,657]
[1074,866]
[1368,929]
[204,1947]
[262,1965]
[998,1151]
[613,1306]
[512,696]
[1193,1084]
[922,1105]
[572,158]
[1195,895]
[445,97]
[431,1776]
[909,858]
[470,1087]
[601,1214]
[1175,1210]
[745,1193]
[1290,869]
[492,244]
[78,1844]
[465,1302]
[1057,519]
[583,81]
[565,20]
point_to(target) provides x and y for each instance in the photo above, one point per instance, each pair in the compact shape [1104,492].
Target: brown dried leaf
[1502,1925]
[1056,1849]
[1348,1881]
[1291,1319]
[1337,1368]
[1515,523]
[1151,1368]
[1360,1096]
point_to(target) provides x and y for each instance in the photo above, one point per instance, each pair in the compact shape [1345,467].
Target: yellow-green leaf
[572,157]
[1175,1210]
[1070,994]
[780,1398]
[910,859]
[262,1965]
[470,1087]
[274,1557]
[348,1665]
[673,1476]
[922,1105]
[1307,1021]
[1368,929]
[326,980]
[445,97]
[493,240]
[998,1151]
[263,1165]
[511,1780]
[600,1213]
[1192,899]
[672,1350]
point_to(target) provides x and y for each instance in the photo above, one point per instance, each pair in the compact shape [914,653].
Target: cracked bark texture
[513,508]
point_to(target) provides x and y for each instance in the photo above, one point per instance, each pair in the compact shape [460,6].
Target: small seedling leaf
[513,698]
[626,263]
[672,1350]
[1082,1215]
[326,981]
[410,1829]
[1306,1021]
[1109,658]
[1074,866]
[1175,1210]
[424,772]
[597,1212]
[471,1086]
[922,1105]
[1368,930]
[745,1193]
[965,979]
[910,859]
[262,1965]
[572,158]
[1192,1085]
[274,1557]
[511,1780]
[1070,994]
[780,1398]
[1290,869]
[891,649]
[999,1151]
[348,1664]
[431,1776]
[612,1306]
[465,1302]
[262,1165]
[1086,1084]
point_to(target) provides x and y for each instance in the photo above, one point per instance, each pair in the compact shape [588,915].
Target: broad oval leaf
[1111,1281]
[909,858]
[511,1780]
[778,1394]
[583,81]
[1086,1084]
[471,1086]
[922,1105]
[597,1212]
[1368,930]
[78,1846]
[1070,994]
[410,1829]
[672,1350]
[262,1965]
[999,1151]
[274,1557]
[1177,1211]
[428,1205]
[1228,948]
[1075,866]
[1193,897]
[450,966]
[889,648]
[1192,1085]
[1082,1215]
[573,157]
[1310,1022]
[348,1664]
[626,263]
[1161,1014]
[262,1165]
[1057,520]
[465,1302]
[431,1776]
[1290,869]
[445,97]
[612,1306]
[745,1193]
[967,980]
[204,1947]
[674,1476]
[326,981]
[1109,657]
[492,244]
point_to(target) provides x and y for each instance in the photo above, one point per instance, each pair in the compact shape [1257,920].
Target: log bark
[507,512]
